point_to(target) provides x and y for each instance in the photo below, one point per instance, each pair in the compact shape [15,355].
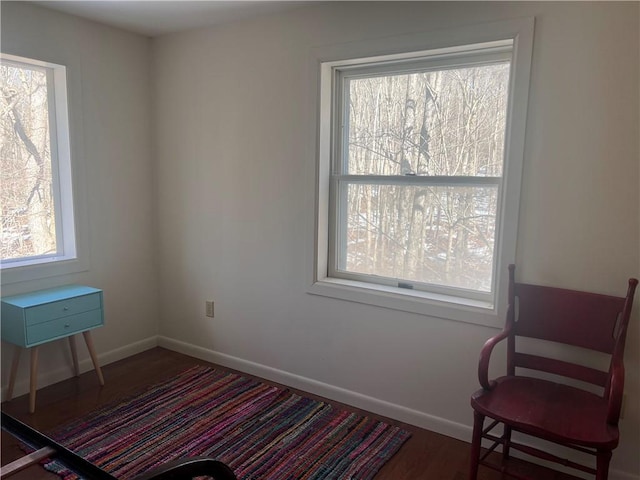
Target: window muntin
[36,198]
[417,171]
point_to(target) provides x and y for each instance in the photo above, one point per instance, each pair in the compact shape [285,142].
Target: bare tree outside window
[419,175]
[26,199]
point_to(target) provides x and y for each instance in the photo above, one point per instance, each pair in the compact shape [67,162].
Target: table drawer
[62,308]
[61,327]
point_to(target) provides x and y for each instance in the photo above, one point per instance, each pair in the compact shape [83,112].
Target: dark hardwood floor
[426,455]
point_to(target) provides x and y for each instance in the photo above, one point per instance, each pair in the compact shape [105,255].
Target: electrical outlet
[209,310]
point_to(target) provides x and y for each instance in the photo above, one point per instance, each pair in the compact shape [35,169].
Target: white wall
[232,189]
[109,78]
[235,192]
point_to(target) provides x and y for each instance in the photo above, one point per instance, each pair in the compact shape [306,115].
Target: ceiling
[153,17]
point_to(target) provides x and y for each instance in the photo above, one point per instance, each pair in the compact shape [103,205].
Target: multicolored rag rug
[259,430]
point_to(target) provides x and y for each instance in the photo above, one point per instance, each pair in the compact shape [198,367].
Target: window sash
[340,179]
[484,56]
[61,182]
[339,227]
[425,61]
[423,180]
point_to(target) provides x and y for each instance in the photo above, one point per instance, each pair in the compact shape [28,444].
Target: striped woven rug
[260,431]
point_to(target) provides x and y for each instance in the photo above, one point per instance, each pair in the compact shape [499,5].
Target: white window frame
[70,256]
[438,47]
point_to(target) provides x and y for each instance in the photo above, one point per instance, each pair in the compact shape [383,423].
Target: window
[420,162]
[36,198]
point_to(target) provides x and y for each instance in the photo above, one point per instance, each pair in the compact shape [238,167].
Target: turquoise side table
[32,319]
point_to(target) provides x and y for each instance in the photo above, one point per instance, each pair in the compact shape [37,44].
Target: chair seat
[548,410]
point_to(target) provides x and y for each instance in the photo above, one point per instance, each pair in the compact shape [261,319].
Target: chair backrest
[587,320]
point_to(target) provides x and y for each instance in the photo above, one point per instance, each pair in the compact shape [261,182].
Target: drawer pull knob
[66,325]
[66,308]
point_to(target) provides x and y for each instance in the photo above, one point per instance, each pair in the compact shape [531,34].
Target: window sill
[412,301]
[35,270]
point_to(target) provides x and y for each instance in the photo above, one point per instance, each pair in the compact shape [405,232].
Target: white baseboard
[398,412]
[48,378]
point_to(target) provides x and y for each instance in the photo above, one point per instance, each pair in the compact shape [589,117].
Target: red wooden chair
[555,412]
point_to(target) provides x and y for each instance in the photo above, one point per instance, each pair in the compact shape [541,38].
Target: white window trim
[66,171]
[520,31]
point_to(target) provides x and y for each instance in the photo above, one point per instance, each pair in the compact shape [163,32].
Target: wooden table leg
[94,357]
[74,355]
[14,370]
[34,379]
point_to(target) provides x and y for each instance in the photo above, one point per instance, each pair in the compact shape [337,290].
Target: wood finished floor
[426,455]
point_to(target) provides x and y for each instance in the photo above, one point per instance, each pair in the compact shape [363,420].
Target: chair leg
[507,438]
[603,458]
[478,424]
